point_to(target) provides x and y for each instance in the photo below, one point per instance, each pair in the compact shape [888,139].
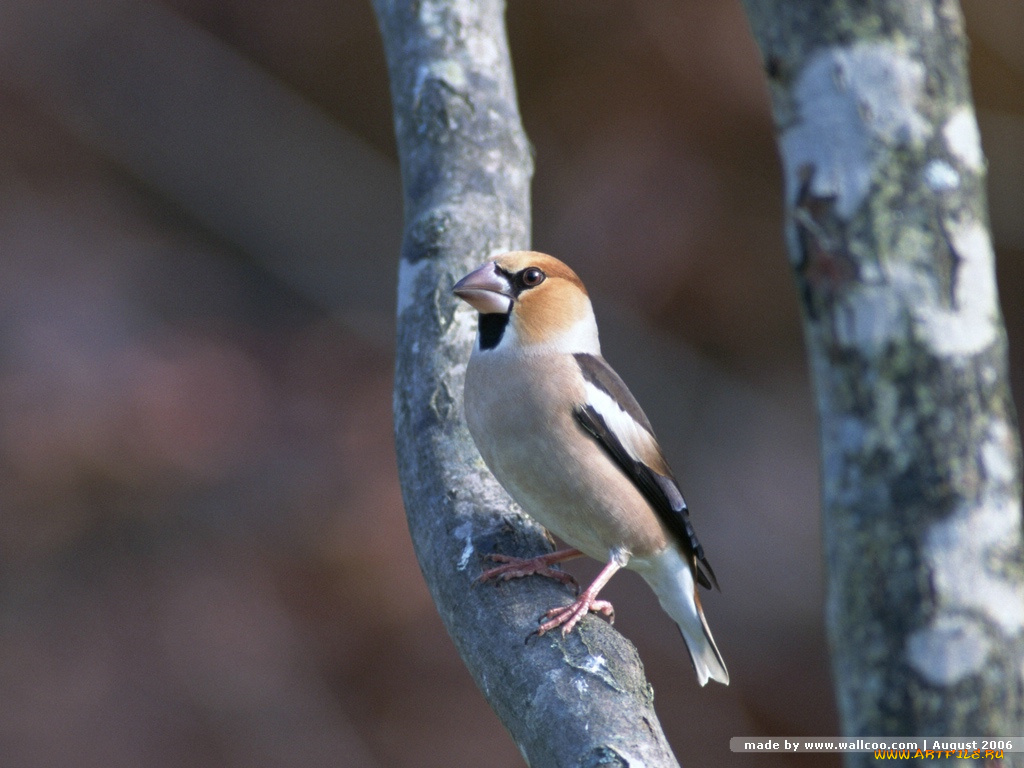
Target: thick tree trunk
[889,241]
[466,170]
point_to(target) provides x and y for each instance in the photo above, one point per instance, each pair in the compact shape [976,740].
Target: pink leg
[517,567]
[568,616]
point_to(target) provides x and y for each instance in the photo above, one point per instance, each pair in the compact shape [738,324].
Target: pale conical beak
[486,289]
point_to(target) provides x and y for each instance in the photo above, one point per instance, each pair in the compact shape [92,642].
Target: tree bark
[466,168]
[889,241]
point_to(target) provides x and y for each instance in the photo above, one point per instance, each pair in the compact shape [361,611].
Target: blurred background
[203,551]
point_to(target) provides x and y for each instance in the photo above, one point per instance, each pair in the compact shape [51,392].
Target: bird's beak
[486,289]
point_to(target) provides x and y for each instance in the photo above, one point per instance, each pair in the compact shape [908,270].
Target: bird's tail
[671,578]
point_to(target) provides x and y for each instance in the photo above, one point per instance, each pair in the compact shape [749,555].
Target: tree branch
[466,168]
[889,242]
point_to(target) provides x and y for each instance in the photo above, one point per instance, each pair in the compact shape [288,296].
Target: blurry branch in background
[234,148]
[466,172]
[889,241]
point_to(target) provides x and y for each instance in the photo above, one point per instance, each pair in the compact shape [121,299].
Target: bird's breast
[520,413]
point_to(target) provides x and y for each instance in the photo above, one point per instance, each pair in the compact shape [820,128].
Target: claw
[518,567]
[568,616]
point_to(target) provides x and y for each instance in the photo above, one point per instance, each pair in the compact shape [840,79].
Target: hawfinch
[567,440]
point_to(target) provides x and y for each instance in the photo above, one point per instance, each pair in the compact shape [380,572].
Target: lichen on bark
[888,237]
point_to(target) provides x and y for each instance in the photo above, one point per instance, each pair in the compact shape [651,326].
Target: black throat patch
[492,328]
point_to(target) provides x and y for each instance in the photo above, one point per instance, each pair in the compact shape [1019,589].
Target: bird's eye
[532,276]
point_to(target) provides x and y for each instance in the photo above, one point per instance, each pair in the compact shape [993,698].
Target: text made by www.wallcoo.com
[884,748]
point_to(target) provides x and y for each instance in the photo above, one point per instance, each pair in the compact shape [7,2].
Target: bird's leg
[568,616]
[517,567]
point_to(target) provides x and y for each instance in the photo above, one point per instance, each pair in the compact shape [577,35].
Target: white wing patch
[637,441]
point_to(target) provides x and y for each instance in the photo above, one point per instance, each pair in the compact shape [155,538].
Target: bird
[561,432]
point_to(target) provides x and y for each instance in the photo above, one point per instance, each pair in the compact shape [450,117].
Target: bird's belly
[557,473]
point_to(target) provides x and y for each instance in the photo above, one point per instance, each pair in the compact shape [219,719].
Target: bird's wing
[612,416]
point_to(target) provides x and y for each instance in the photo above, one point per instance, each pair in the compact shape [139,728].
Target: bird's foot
[518,567]
[568,616]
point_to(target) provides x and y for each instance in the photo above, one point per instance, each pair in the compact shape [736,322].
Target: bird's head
[530,300]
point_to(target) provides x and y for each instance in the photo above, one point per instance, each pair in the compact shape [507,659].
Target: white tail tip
[671,578]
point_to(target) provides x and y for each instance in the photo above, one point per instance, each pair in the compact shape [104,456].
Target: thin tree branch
[466,168]
[889,242]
